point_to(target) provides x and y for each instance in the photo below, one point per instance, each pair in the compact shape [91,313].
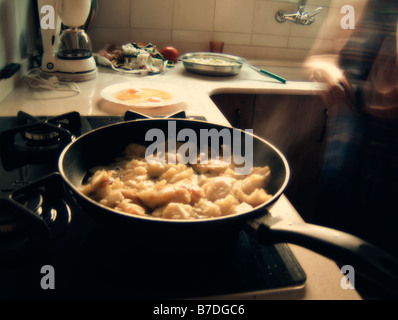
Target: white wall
[247,27]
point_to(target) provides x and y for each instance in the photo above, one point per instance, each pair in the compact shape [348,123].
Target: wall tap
[299,17]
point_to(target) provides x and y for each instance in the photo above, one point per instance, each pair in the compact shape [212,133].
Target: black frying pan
[102,146]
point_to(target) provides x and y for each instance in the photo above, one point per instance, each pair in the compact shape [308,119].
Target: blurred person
[359,173]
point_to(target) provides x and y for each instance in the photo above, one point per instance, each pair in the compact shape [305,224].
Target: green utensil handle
[272,75]
[267,73]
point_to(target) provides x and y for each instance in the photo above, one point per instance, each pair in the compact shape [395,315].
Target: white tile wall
[247,27]
[151,14]
[234,16]
[194,15]
[114,14]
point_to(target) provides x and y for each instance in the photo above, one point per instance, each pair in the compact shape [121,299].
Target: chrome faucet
[299,17]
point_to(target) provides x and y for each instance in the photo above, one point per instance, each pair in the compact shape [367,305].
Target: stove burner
[35,140]
[69,121]
[22,233]
[33,201]
[46,200]
[133,115]
[41,135]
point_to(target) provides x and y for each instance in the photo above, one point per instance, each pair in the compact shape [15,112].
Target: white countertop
[196,90]
[323,275]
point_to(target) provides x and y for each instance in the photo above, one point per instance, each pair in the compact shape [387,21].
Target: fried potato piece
[256,198]
[151,187]
[130,207]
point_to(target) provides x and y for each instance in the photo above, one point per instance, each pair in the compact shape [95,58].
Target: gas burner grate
[67,121]
[36,140]
[38,211]
[133,115]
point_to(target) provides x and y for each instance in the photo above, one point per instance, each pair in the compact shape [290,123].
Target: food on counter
[172,190]
[211,61]
[135,58]
[170,53]
[143,95]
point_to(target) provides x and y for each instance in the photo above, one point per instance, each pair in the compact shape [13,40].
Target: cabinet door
[237,108]
[295,125]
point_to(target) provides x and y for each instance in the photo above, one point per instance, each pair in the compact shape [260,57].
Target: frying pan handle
[366,259]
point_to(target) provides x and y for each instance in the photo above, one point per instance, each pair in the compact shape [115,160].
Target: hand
[325,69]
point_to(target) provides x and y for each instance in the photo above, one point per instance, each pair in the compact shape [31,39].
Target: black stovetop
[90,261]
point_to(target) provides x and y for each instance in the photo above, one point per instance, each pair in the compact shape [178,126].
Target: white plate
[109,93]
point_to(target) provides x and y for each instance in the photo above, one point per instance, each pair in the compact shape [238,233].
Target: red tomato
[170,53]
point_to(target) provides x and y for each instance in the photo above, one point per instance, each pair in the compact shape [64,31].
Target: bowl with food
[212,64]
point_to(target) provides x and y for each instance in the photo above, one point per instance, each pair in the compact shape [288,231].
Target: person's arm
[322,63]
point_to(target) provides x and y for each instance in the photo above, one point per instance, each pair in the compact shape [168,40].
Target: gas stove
[43,228]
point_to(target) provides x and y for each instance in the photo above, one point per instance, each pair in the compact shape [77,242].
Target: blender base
[72,77]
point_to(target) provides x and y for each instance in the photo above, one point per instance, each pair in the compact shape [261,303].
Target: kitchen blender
[67,52]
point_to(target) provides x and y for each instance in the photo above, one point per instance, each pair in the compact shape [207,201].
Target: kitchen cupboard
[237,108]
[295,124]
